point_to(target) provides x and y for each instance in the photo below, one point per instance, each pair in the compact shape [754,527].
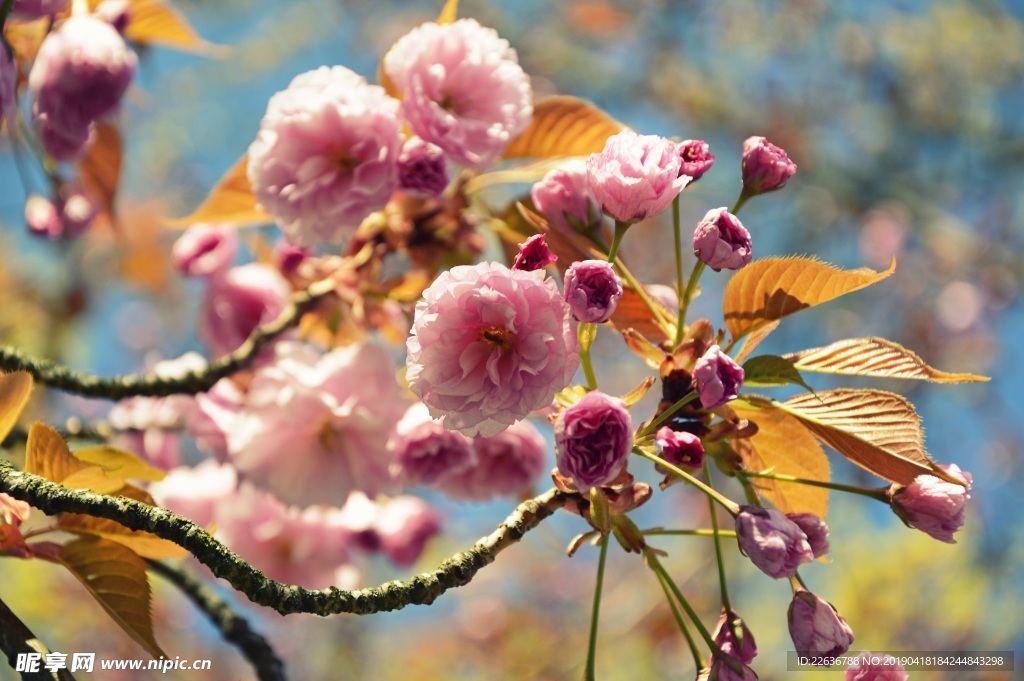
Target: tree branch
[286,599]
[17,638]
[233,626]
[152,385]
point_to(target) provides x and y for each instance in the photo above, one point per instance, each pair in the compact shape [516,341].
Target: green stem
[698,661]
[656,565]
[740,200]
[585,363]
[589,675]
[688,533]
[880,494]
[729,505]
[620,231]
[691,286]
[667,414]
[718,542]
[679,271]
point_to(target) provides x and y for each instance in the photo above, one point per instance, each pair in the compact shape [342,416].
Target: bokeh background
[905,121]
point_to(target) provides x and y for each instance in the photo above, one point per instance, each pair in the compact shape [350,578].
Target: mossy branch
[153,385]
[286,599]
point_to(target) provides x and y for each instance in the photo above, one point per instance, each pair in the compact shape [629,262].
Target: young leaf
[873,357]
[784,446]
[652,355]
[876,430]
[121,464]
[154,22]
[14,391]
[771,370]
[116,578]
[563,126]
[637,393]
[47,454]
[101,168]
[230,201]
[143,543]
[769,289]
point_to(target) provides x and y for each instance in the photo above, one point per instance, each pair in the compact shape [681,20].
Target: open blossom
[534,254]
[462,89]
[932,505]
[205,250]
[680,448]
[636,176]
[717,377]
[773,542]
[816,628]
[404,525]
[766,167]
[722,242]
[81,72]
[593,439]
[593,290]
[489,345]
[695,158]
[868,667]
[815,529]
[326,155]
[214,416]
[422,168]
[194,492]
[564,197]
[507,464]
[314,426]
[426,452]
[238,301]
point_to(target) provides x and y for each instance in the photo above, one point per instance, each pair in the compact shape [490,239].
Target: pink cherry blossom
[404,526]
[695,158]
[534,254]
[489,345]
[636,176]
[593,290]
[422,168]
[717,378]
[816,530]
[680,448]
[721,241]
[238,301]
[564,197]
[315,426]
[205,250]
[507,464]
[766,167]
[773,542]
[934,506]
[214,417]
[426,452]
[593,439]
[195,492]
[462,89]
[326,155]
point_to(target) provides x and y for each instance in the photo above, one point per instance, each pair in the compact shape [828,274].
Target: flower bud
[815,529]
[680,448]
[289,256]
[816,628]
[205,250]
[425,451]
[534,254]
[593,438]
[734,638]
[766,167]
[422,168]
[695,159]
[717,378]
[773,542]
[564,197]
[730,669]
[932,505]
[868,667]
[721,241]
[592,290]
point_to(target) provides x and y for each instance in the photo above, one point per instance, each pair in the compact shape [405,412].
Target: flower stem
[589,674]
[656,565]
[878,493]
[698,661]
[740,200]
[718,543]
[729,505]
[620,231]
[691,285]
[679,271]
[583,334]
[688,533]
[667,414]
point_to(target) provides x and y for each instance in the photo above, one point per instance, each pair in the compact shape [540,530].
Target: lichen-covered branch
[16,638]
[422,589]
[152,385]
[232,626]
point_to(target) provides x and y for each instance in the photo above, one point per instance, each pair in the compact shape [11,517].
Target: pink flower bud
[773,542]
[730,669]
[680,448]
[636,176]
[734,638]
[205,250]
[289,257]
[80,75]
[815,529]
[717,378]
[422,168]
[239,301]
[766,167]
[8,88]
[534,254]
[721,241]
[868,667]
[425,451]
[404,526]
[932,505]
[816,628]
[593,290]
[695,158]
[564,197]
[593,438]
[29,10]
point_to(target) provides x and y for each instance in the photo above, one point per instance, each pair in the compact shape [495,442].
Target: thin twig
[16,638]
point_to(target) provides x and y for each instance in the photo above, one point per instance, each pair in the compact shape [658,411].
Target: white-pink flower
[326,155]
[426,452]
[404,525]
[194,492]
[239,300]
[462,89]
[315,427]
[507,464]
[636,176]
[489,345]
[564,197]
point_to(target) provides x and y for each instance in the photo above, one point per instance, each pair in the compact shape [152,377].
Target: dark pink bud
[773,542]
[932,505]
[766,167]
[815,529]
[717,378]
[734,638]
[730,669]
[534,254]
[422,168]
[721,241]
[696,159]
[680,448]
[205,249]
[289,256]
[816,628]
[592,290]
[593,438]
